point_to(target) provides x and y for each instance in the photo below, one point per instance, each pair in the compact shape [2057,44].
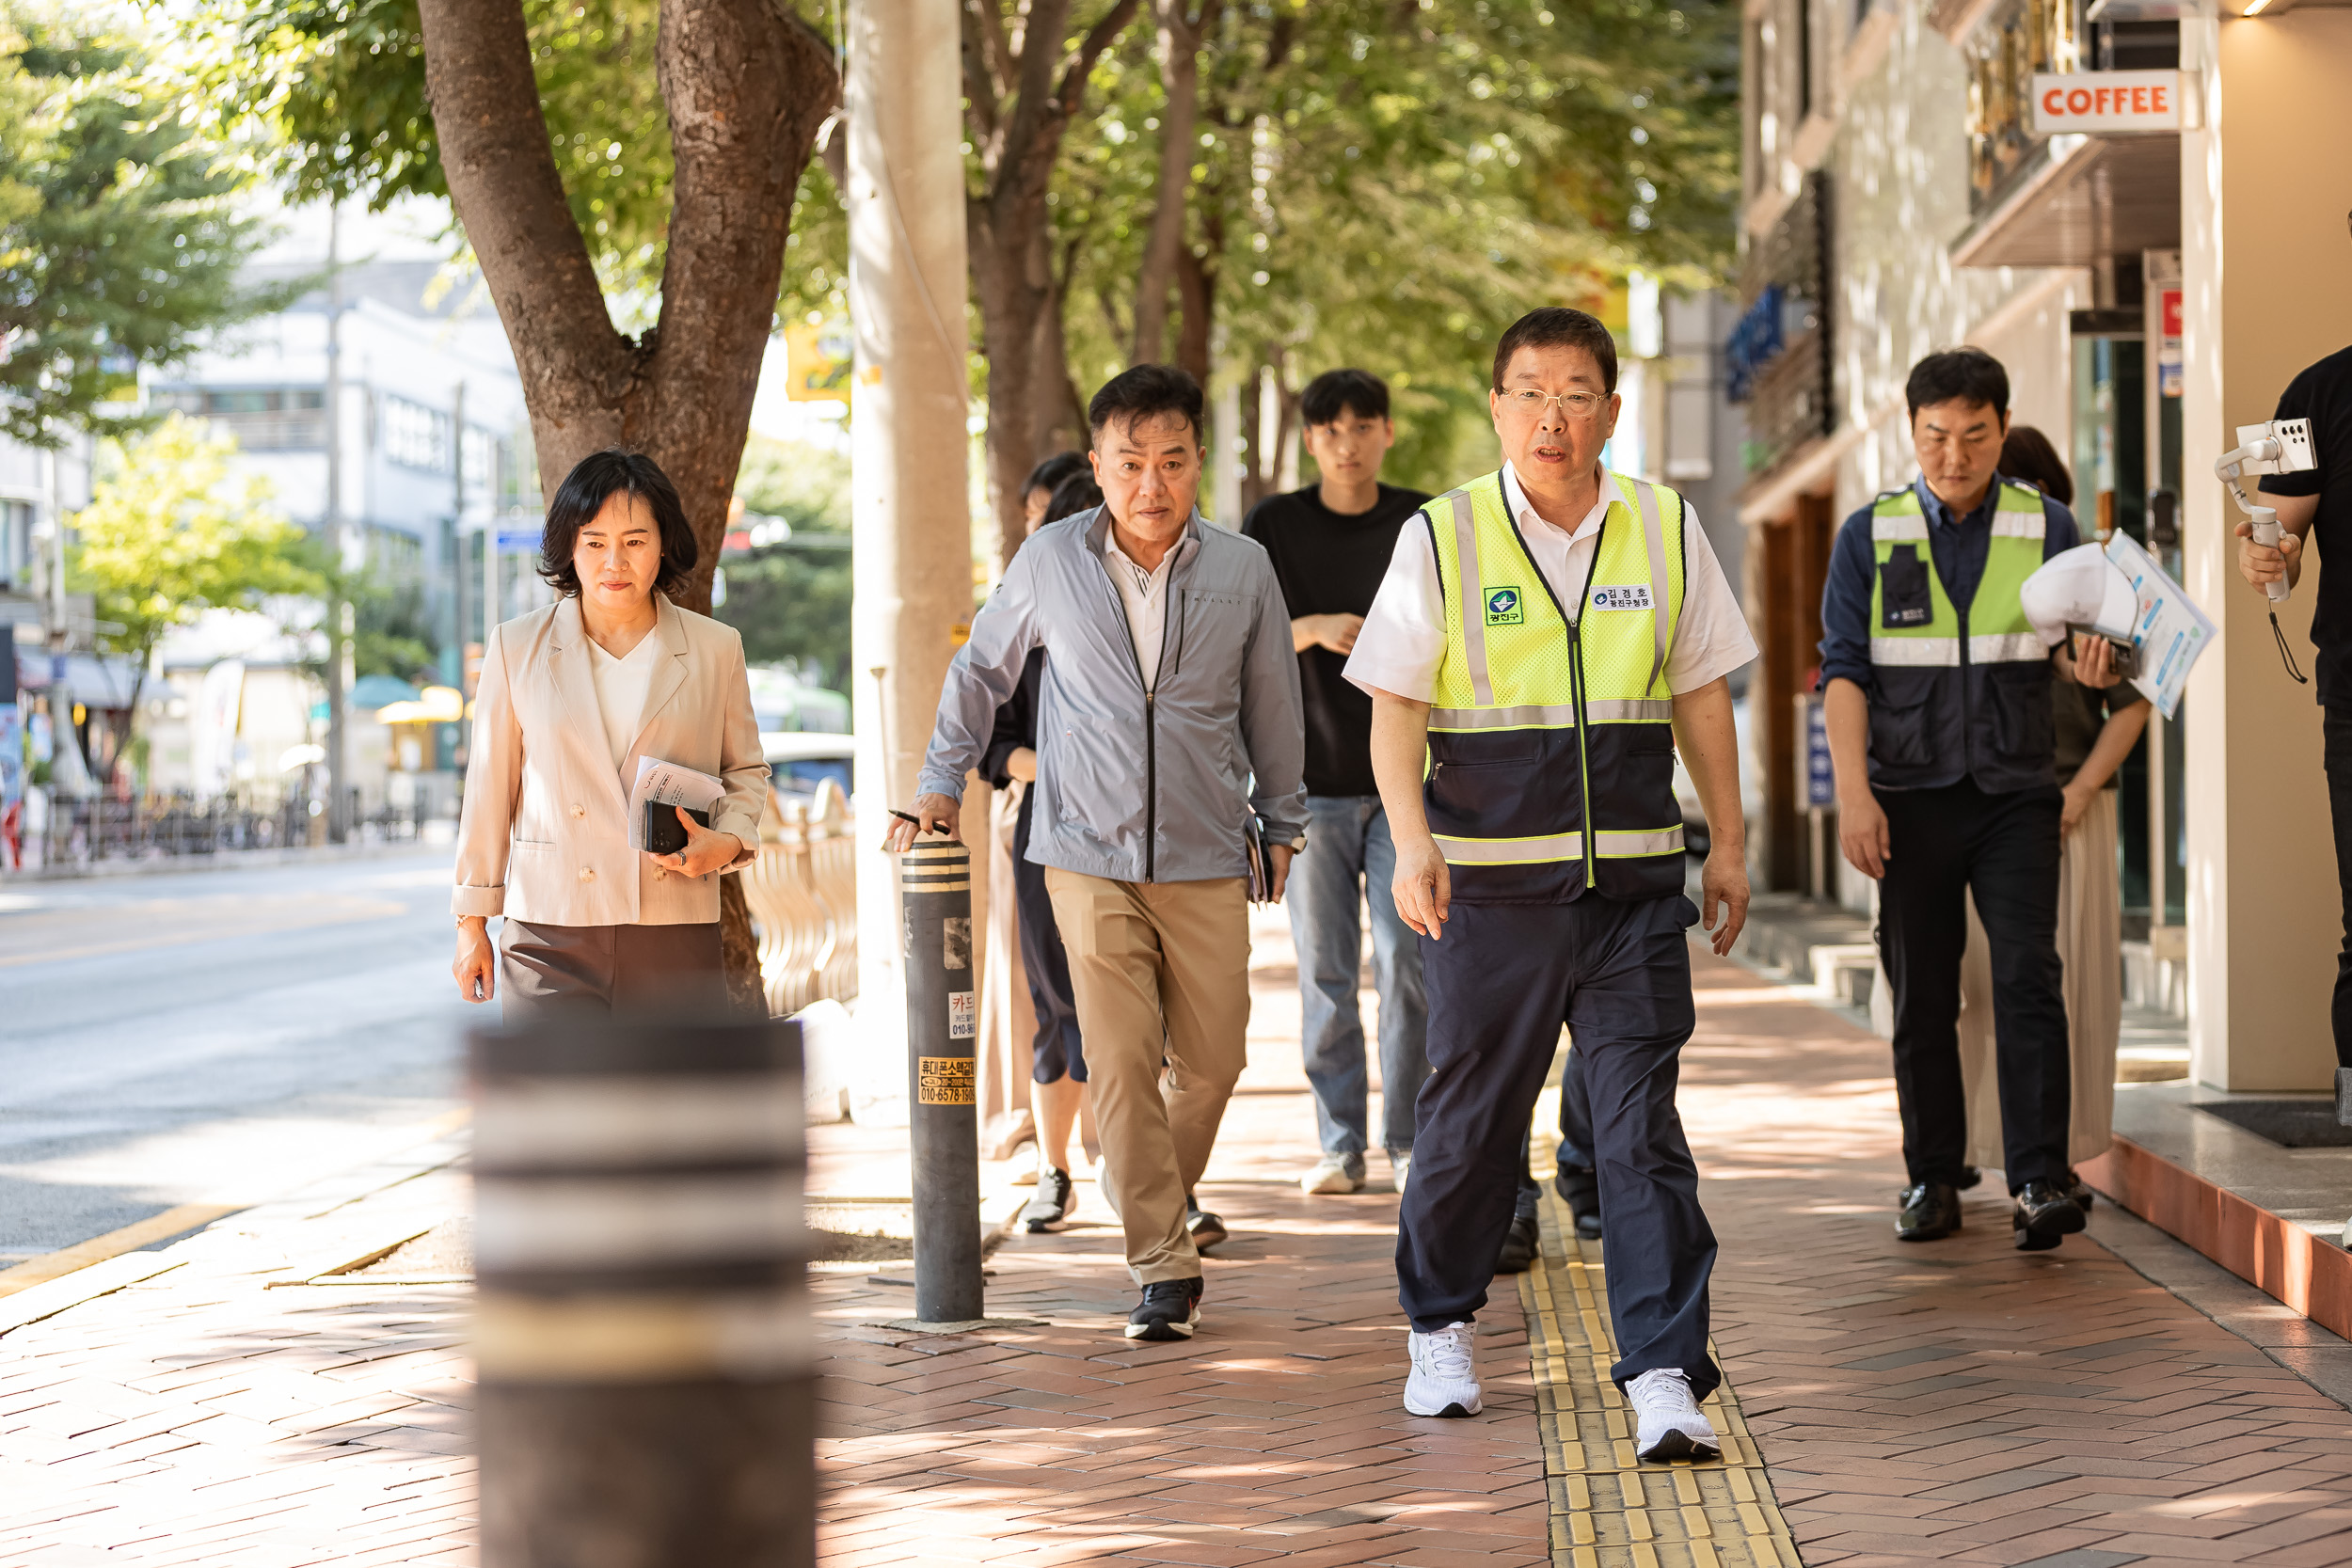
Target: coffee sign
[2106,101]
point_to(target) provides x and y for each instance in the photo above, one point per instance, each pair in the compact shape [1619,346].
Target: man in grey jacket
[1168,716]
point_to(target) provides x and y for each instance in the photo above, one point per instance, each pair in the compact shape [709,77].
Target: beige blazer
[544,835]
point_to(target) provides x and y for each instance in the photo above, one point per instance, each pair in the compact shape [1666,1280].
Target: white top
[621,688]
[1402,639]
[1144,594]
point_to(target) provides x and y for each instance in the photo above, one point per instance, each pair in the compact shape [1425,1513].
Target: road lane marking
[65,1260]
[56,934]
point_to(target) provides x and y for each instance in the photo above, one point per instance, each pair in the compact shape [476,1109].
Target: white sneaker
[1444,1379]
[1670,1424]
[1334,1173]
[1399,1166]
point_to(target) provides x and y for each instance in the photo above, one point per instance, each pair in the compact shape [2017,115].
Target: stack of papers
[2170,630]
[669,784]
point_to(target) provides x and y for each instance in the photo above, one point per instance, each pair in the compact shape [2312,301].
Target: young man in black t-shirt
[2315,508]
[1331,542]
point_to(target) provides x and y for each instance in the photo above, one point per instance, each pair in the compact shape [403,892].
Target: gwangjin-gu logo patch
[1634,597]
[1503,608]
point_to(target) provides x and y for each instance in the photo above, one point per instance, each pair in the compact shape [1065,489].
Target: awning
[2079,200]
[90,680]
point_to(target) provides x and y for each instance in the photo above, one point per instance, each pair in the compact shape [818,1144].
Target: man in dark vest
[1937,692]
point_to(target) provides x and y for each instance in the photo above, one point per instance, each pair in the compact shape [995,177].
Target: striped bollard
[647,1394]
[943,1014]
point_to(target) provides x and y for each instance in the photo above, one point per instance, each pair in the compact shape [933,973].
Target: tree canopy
[170,534]
[120,234]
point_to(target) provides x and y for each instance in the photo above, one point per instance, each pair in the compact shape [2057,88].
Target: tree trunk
[1056,414]
[1011,309]
[1179,80]
[1019,106]
[1196,287]
[746,87]
[1264,476]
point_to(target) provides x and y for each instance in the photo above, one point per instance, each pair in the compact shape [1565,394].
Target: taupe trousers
[1160,971]
[2091,944]
[594,972]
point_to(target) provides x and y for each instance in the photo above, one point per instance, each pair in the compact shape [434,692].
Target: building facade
[2153,266]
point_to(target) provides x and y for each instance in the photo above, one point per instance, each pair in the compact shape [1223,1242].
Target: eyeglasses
[1577,406]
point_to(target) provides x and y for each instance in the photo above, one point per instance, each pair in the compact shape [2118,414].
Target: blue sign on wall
[1820,779]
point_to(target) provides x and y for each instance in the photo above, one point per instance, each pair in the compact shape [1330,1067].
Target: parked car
[783,702]
[798,760]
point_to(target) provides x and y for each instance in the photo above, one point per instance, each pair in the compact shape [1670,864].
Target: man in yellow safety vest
[1544,637]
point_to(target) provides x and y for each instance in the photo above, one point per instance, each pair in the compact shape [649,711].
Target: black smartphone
[664,833]
[2124,655]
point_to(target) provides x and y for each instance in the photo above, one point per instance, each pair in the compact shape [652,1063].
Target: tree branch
[995,49]
[1082,60]
[1180,40]
[575,369]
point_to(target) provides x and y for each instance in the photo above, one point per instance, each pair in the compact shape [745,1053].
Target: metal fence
[802,891]
[76,833]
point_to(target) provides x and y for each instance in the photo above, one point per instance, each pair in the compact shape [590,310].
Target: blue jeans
[1348,844]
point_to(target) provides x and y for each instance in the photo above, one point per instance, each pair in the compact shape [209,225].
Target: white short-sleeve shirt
[1402,640]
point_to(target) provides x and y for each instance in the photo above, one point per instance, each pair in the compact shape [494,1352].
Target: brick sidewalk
[1963,1402]
[1959,1403]
[219,1412]
[1275,1433]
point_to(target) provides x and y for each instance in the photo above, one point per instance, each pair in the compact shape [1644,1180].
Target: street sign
[2106,101]
[1820,778]
[518,539]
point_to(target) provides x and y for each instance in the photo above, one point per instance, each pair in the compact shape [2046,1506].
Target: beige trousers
[2091,945]
[1160,971]
[1008,1024]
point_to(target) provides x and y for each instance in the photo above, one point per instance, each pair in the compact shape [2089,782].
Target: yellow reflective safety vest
[1960,689]
[1550,728]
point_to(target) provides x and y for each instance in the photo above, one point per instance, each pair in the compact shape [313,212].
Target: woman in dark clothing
[1059,1074]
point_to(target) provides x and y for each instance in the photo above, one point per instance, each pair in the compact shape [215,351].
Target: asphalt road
[220,1037]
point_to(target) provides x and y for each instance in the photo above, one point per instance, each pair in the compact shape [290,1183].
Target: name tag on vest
[1633,597]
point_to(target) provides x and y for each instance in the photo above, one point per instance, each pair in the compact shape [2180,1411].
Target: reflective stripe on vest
[1659,710]
[1998,632]
[1609,844]
[1526,697]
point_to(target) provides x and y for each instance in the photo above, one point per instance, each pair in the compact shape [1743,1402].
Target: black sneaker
[1519,1244]
[1171,1309]
[1207,1229]
[1056,1202]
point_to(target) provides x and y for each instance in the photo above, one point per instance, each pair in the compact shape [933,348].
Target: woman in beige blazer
[571,696]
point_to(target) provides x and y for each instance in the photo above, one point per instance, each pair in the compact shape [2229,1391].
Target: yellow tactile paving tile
[1607,1508]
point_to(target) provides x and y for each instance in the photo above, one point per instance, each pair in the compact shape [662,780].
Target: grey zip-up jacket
[1138,787]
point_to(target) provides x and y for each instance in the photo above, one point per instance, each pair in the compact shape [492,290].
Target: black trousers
[1944,844]
[1576,1133]
[1500,981]
[1057,1053]
[2336,727]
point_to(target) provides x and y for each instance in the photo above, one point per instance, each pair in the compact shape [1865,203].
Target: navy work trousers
[1500,981]
[1943,844]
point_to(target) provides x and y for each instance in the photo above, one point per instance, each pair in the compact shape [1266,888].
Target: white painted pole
[912,525]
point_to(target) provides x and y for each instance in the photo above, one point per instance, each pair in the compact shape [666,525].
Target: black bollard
[943,1017]
[648,1395]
